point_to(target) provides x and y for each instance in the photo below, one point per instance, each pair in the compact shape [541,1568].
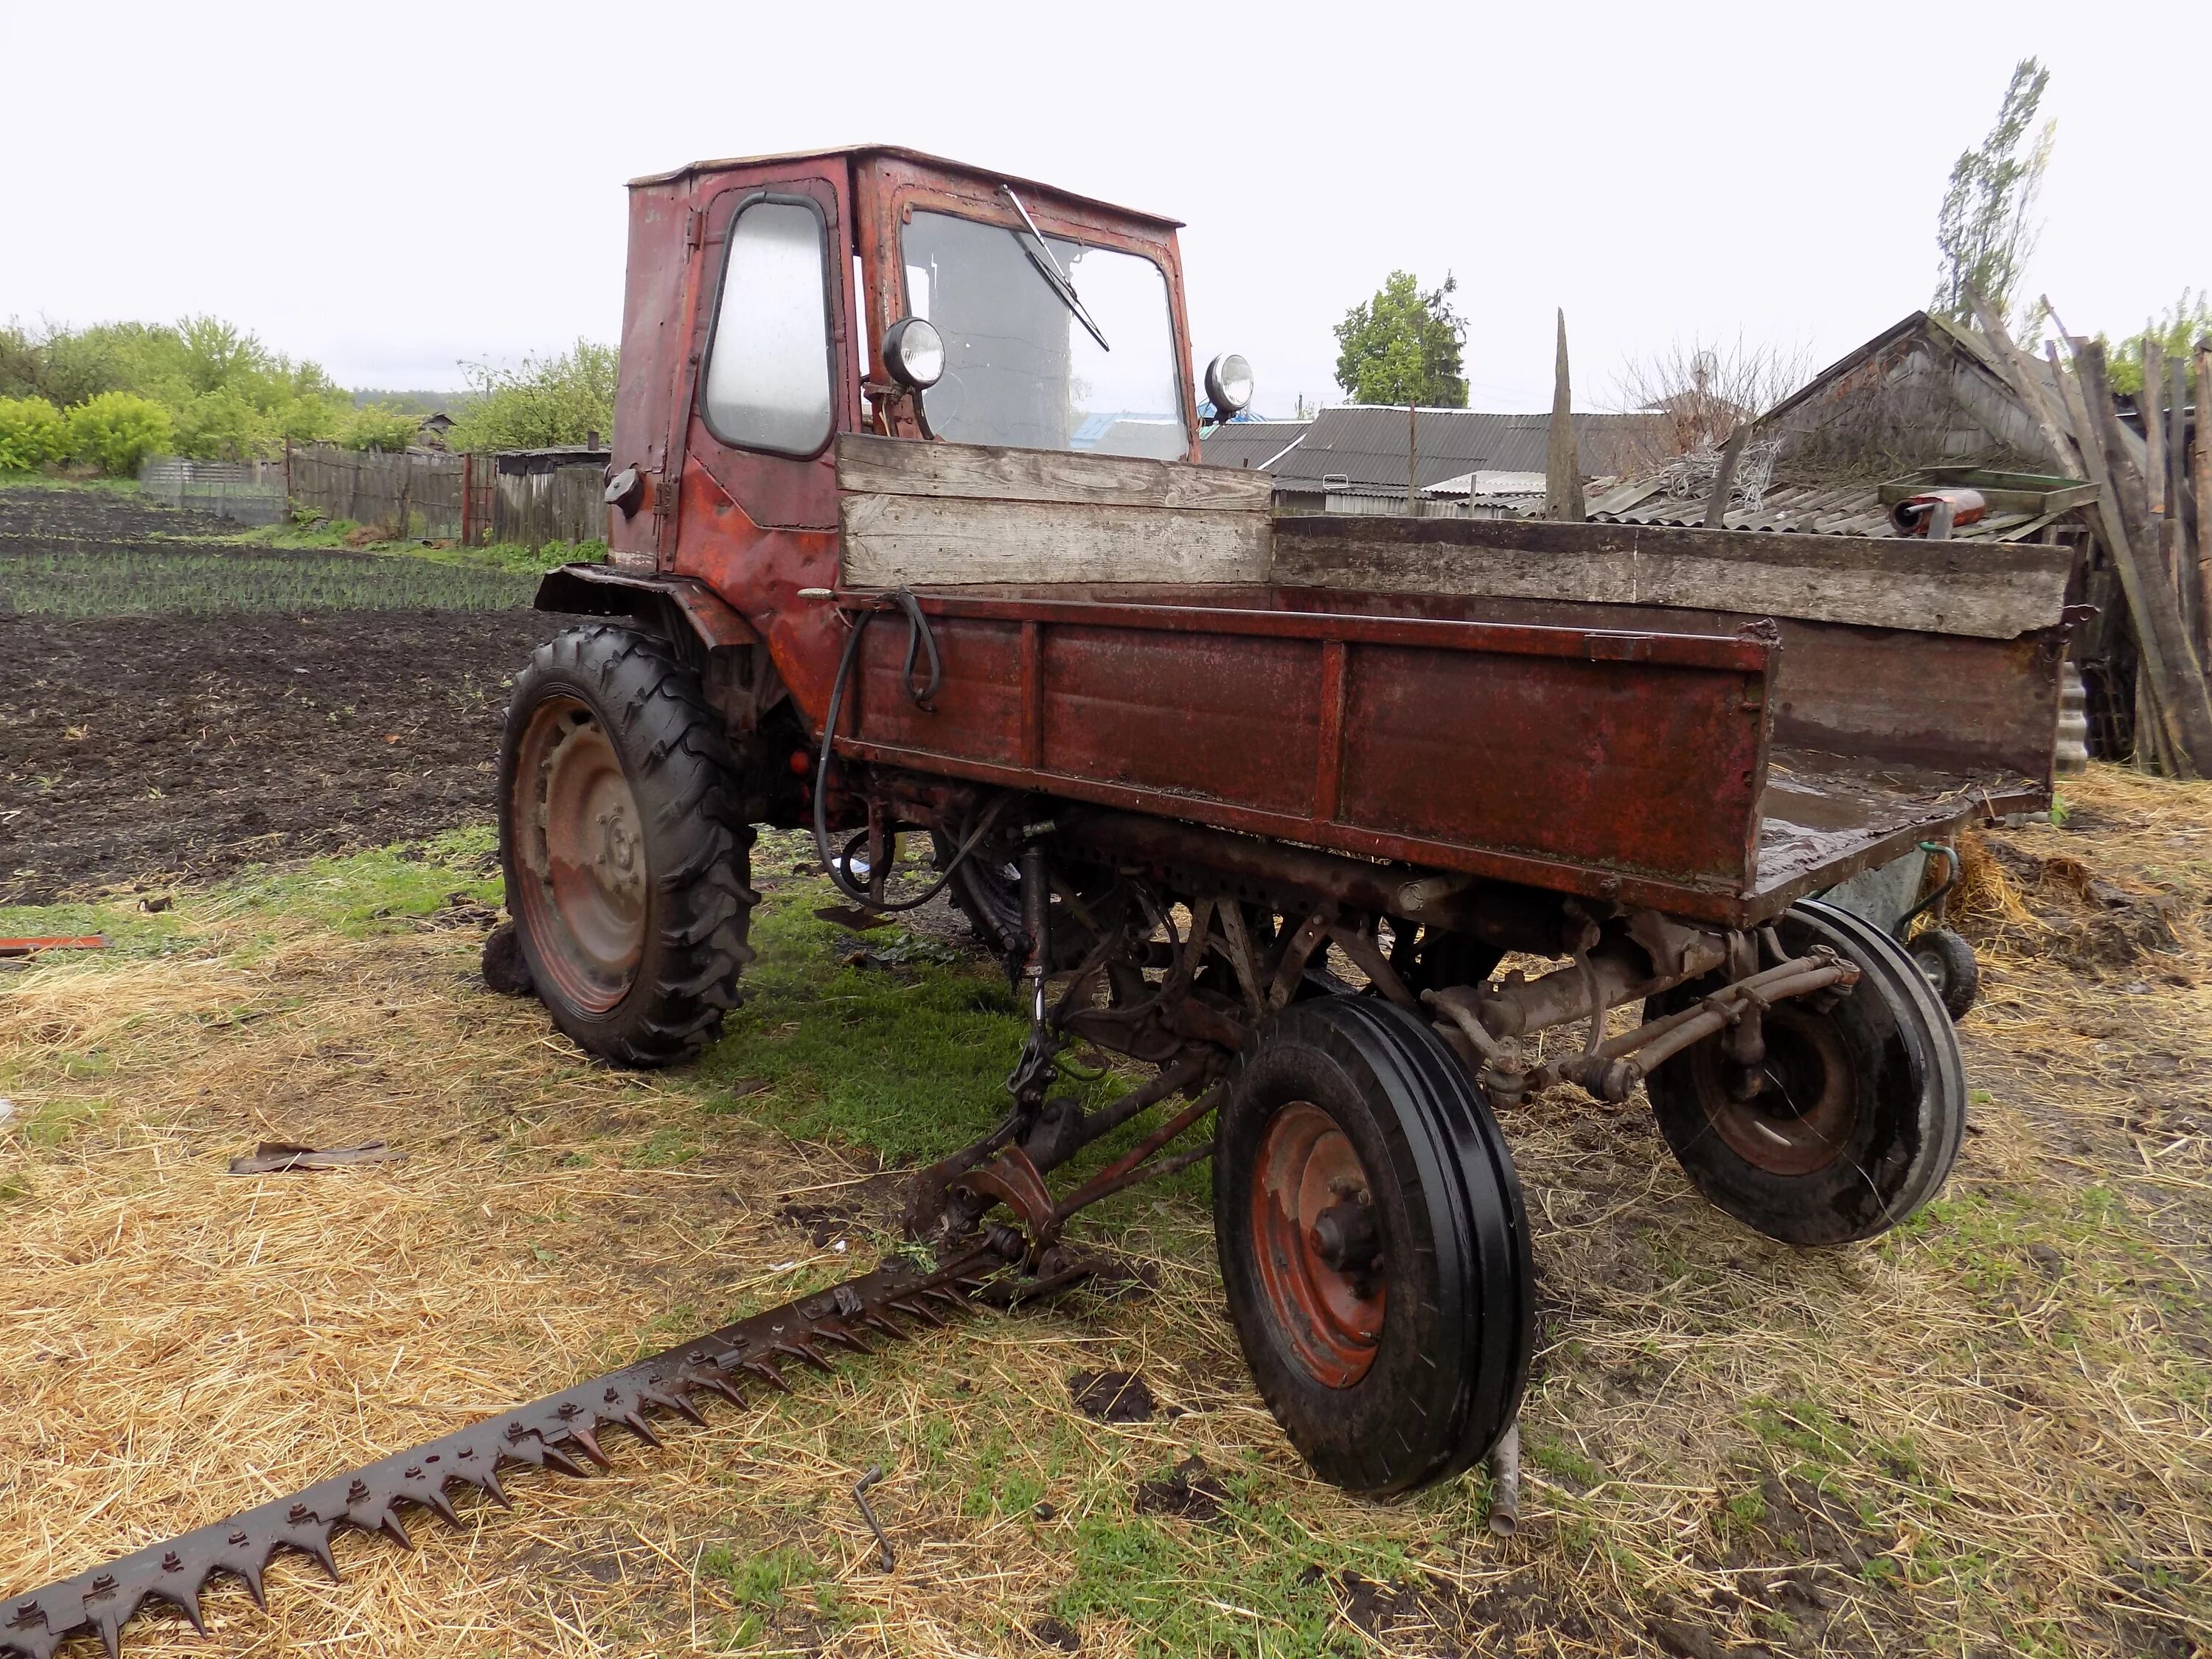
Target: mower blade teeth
[318,1545]
[556,1457]
[587,1442]
[674,1400]
[434,1499]
[187,1601]
[807,1354]
[766,1371]
[560,1432]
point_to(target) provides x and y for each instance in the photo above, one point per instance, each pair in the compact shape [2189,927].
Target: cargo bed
[1713,723]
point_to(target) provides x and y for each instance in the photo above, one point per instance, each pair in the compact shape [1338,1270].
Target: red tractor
[912,548]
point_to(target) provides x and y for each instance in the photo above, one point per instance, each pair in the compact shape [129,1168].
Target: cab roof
[857,151]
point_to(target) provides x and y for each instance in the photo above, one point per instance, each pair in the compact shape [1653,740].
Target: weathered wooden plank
[899,466]
[1989,590]
[2170,667]
[923,540]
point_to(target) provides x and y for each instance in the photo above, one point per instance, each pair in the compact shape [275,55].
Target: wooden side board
[899,466]
[947,541]
[1975,588]
[957,514]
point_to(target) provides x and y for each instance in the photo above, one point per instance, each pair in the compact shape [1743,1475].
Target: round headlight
[914,352]
[1229,385]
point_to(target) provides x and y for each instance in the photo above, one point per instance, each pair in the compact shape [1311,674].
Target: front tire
[1372,1245]
[625,855]
[1865,1105]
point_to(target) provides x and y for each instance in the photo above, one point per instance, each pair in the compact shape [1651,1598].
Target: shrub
[32,433]
[548,401]
[219,426]
[380,426]
[117,430]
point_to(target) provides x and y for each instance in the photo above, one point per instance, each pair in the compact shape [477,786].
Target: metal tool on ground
[887,1559]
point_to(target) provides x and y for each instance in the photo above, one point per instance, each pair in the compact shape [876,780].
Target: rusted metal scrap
[562,1432]
[27,947]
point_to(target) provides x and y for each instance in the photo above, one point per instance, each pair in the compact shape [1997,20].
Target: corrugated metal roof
[1250,443]
[1366,443]
[1827,509]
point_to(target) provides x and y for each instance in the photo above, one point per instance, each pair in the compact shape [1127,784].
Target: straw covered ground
[1988,1433]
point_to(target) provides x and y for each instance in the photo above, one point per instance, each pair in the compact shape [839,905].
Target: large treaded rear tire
[1404,1376]
[656,994]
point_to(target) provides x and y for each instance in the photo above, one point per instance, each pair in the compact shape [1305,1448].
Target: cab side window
[767,381]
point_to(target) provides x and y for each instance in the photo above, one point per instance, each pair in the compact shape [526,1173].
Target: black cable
[831,864]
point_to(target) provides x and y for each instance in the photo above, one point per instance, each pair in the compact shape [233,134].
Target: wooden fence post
[1563,473]
[2204,499]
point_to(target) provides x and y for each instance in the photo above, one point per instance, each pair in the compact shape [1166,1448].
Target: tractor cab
[775,303]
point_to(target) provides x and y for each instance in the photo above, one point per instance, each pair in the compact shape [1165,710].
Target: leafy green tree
[32,433]
[2177,334]
[379,426]
[1403,346]
[549,401]
[227,395]
[117,430]
[1986,228]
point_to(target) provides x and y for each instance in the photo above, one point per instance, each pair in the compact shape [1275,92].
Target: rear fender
[713,637]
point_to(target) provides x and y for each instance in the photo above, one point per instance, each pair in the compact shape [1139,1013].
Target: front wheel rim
[1330,1318]
[581,856]
[1805,1115]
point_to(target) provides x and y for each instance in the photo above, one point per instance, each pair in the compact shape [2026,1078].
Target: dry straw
[1989,1433]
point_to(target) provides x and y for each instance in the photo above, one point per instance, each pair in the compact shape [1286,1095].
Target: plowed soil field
[217,720]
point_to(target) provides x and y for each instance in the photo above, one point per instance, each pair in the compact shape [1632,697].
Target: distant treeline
[110,395]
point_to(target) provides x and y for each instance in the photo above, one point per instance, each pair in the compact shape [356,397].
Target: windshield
[1020,369]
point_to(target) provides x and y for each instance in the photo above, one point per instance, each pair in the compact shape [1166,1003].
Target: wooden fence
[530,497]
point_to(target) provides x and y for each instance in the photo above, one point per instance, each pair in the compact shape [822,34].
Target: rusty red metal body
[1623,752]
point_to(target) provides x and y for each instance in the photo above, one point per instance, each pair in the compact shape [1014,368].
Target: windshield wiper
[1049,268]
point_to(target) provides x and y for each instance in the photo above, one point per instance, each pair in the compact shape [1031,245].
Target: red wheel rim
[1331,1319]
[579,850]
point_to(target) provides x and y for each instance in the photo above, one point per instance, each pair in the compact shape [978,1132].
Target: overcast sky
[394,191]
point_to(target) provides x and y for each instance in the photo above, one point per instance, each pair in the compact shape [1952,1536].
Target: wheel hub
[1802,1115]
[587,883]
[1319,1245]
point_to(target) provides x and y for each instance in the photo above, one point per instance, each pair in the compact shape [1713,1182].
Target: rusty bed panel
[1588,761]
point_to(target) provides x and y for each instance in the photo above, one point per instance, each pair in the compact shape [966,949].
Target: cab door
[770,380]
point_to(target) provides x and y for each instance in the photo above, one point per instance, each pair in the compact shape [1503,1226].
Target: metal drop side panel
[1619,765]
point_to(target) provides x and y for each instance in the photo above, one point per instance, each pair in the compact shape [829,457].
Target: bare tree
[1694,396]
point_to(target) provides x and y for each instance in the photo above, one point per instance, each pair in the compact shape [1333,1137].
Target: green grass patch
[371,892]
[773,1583]
[1256,1583]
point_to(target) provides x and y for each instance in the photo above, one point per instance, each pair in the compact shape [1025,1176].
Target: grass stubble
[1986,1433]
